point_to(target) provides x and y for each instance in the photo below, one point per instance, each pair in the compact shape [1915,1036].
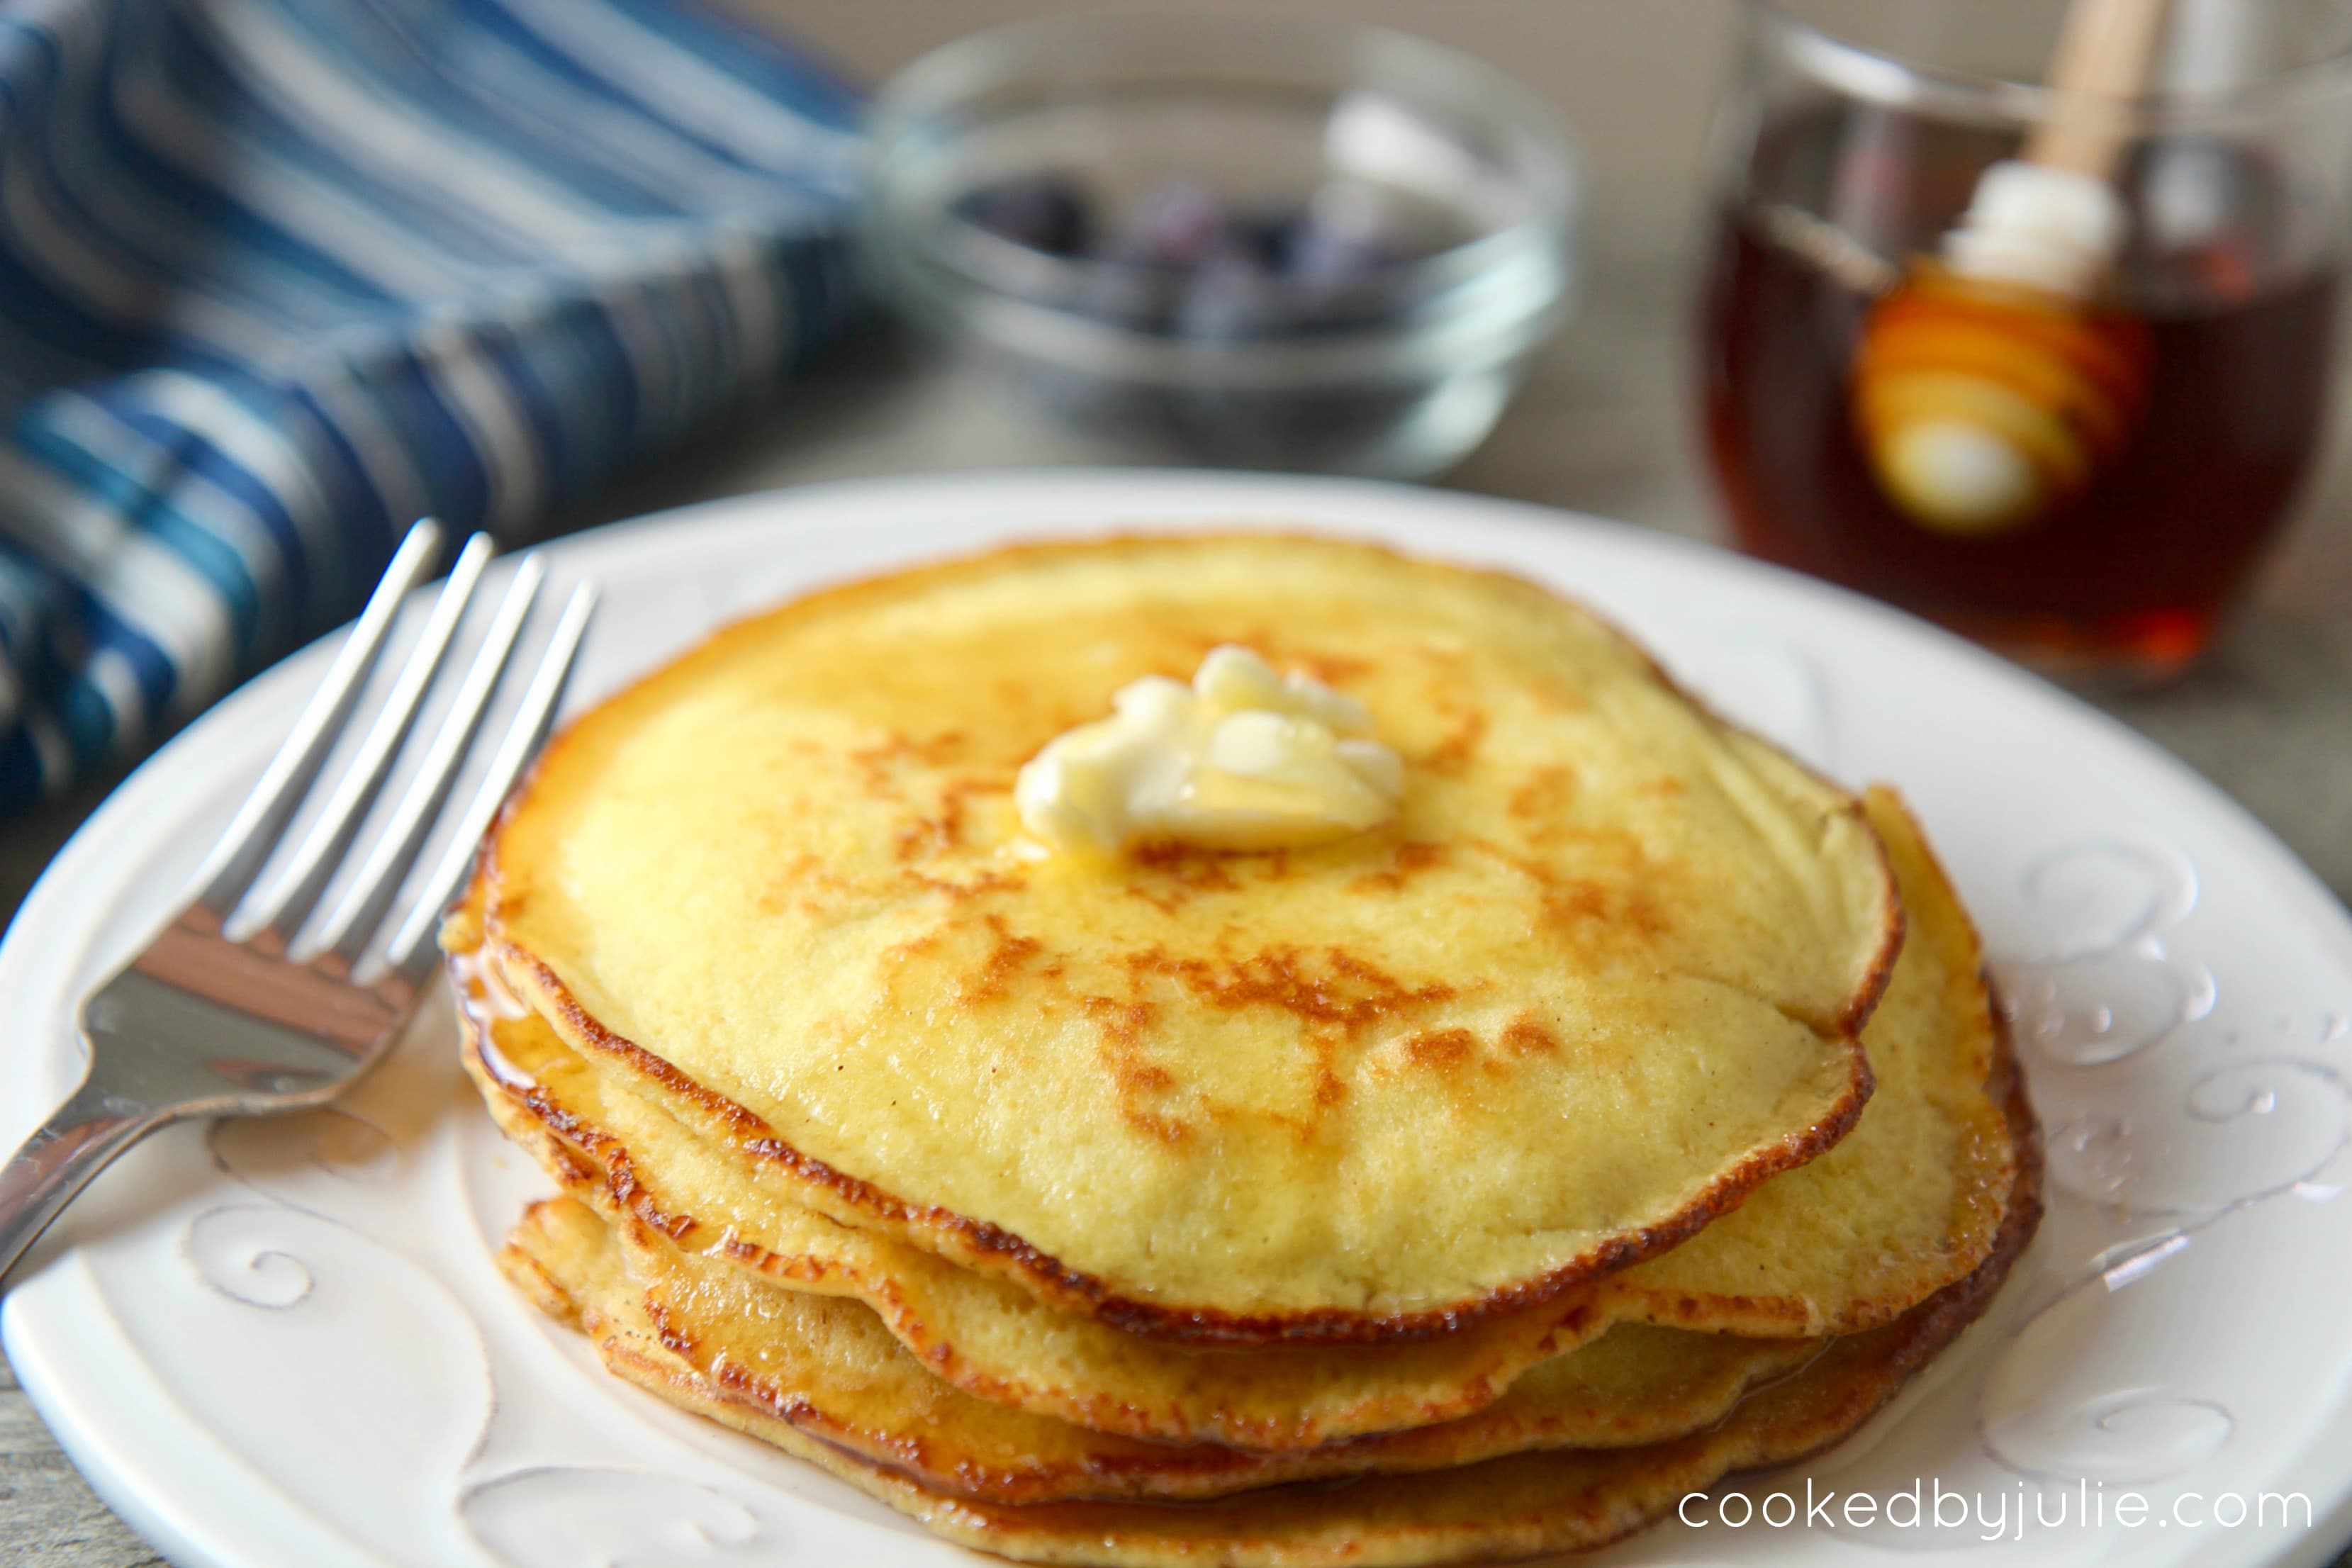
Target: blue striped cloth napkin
[277,276]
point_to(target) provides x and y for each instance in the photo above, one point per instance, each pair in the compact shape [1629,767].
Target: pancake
[989,1337]
[1913,1198]
[1517,1506]
[1599,978]
[1932,1160]
[1935,1153]
[827,1368]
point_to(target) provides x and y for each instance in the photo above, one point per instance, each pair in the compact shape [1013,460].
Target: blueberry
[1319,253]
[1339,238]
[1044,212]
[1265,235]
[1177,225]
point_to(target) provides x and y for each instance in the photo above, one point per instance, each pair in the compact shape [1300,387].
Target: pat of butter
[1241,759]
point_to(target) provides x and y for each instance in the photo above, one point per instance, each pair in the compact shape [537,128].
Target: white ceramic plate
[282,1344]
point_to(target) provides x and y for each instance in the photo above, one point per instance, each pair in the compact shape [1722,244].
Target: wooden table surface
[1602,427]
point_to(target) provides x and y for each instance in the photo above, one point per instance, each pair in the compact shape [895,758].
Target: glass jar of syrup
[1854,152]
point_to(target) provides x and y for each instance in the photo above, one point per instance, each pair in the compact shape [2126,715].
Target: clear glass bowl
[1460,178]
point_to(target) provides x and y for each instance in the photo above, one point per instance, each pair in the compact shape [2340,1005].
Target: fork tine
[228,875]
[339,820]
[411,950]
[354,921]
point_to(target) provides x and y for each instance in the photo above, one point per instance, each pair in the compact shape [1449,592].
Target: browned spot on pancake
[1184,858]
[916,946]
[1007,956]
[930,835]
[1525,1036]
[800,879]
[1121,1022]
[1597,919]
[1171,875]
[1448,1051]
[1576,903]
[1331,668]
[1328,1088]
[568,1168]
[621,1177]
[895,751]
[1555,698]
[1452,754]
[961,890]
[674,1339]
[1617,847]
[1166,1128]
[935,833]
[1135,1077]
[1405,860]
[1441,1050]
[1343,991]
[1666,787]
[1542,799]
[1141,1077]
[938,831]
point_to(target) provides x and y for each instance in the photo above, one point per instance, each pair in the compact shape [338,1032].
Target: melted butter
[1241,759]
[483,999]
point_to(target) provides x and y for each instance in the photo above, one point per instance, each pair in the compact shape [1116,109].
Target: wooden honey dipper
[1987,385]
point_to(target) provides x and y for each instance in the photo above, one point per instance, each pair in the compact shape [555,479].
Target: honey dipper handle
[2103,60]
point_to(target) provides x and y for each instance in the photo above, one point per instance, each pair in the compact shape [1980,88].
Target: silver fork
[206,1023]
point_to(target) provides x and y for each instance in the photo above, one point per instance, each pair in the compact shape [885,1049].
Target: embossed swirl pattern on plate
[2163,1123]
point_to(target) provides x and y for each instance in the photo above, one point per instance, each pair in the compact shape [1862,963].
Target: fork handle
[57,1161]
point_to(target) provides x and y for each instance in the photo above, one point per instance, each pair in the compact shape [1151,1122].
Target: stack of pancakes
[1627,1112]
